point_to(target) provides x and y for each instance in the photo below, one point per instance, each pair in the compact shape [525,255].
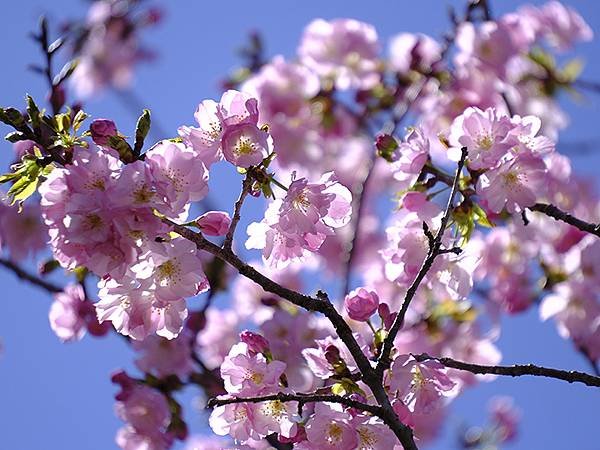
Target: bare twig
[29,277]
[246,185]
[301,398]
[435,246]
[558,214]
[516,370]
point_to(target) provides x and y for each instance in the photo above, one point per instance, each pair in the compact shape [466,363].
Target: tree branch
[558,214]
[435,249]
[301,398]
[29,277]
[246,184]
[516,370]
[321,304]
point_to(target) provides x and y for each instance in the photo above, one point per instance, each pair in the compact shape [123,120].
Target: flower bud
[214,223]
[386,146]
[360,304]
[386,315]
[255,342]
[101,129]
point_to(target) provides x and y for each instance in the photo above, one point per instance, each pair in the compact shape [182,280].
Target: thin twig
[301,398]
[29,277]
[246,185]
[516,370]
[558,214]
[434,251]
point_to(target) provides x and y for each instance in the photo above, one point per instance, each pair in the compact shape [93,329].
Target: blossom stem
[246,185]
[435,249]
[516,370]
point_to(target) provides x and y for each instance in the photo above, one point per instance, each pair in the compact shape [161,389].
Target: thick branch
[516,370]
[435,249]
[301,398]
[319,304]
[558,214]
[29,277]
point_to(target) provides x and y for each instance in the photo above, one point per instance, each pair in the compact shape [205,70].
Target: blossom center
[334,433]
[367,437]
[142,195]
[245,146]
[485,141]
[169,271]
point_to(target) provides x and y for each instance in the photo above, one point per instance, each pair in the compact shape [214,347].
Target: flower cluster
[299,223]
[387,253]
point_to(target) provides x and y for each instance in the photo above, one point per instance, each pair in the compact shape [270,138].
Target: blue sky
[58,396]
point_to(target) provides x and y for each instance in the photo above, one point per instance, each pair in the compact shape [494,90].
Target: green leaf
[122,146]
[141,131]
[12,117]
[16,136]
[481,217]
[79,119]
[34,113]
[571,71]
[338,389]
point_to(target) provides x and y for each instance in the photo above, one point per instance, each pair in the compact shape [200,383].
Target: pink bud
[101,130]
[255,342]
[214,223]
[386,315]
[360,304]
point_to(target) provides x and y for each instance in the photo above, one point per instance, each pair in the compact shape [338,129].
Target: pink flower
[129,439]
[343,49]
[301,221]
[237,108]
[132,307]
[560,25]
[22,233]
[329,428]
[361,304]
[255,342]
[65,318]
[101,130]
[246,145]
[284,90]
[246,421]
[176,270]
[145,409]
[485,134]
[506,418]
[235,420]
[214,223]
[147,414]
[248,373]
[206,139]
[421,386]
[162,357]
[216,339]
[179,174]
[373,434]
[413,52]
[488,46]
[514,184]
[413,154]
